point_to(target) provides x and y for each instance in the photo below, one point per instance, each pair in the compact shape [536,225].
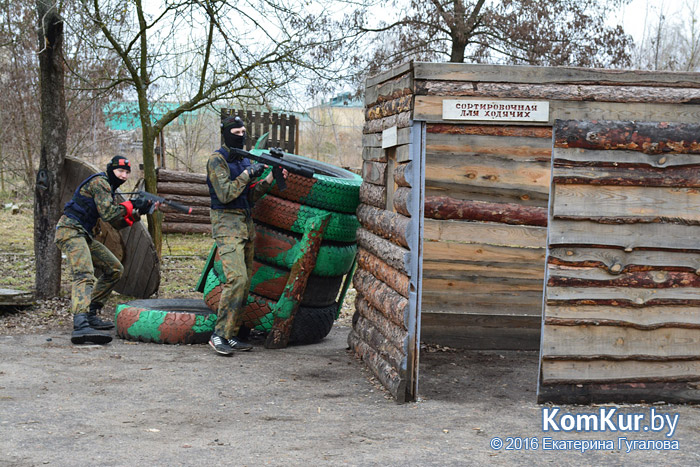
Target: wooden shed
[457,174]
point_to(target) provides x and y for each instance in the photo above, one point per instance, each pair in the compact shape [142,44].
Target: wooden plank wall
[487,188]
[379,335]
[485,232]
[622,297]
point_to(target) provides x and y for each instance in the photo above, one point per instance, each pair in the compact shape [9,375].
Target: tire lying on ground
[165,321]
[191,321]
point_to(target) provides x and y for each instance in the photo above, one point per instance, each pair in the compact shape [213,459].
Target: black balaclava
[117,162]
[231,140]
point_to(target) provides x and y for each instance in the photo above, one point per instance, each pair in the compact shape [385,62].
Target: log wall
[621,297]
[188,189]
[381,335]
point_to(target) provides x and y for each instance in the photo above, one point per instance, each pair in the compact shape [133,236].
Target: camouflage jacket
[108,208]
[226,189]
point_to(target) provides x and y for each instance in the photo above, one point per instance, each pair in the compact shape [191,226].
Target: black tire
[311,325]
[320,291]
[165,321]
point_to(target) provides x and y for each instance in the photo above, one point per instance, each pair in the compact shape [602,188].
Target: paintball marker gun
[158,199]
[277,161]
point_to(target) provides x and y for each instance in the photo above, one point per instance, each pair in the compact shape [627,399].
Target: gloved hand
[255,170]
[142,205]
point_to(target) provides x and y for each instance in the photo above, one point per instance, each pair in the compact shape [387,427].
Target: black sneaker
[220,345]
[237,344]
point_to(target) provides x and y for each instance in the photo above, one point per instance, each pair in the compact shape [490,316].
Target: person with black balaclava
[94,199]
[233,189]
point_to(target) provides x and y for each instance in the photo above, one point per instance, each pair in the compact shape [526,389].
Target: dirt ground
[130,403]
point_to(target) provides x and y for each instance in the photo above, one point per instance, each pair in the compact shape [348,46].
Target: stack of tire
[280,218]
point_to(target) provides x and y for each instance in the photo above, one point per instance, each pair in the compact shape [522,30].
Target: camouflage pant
[234,234]
[83,255]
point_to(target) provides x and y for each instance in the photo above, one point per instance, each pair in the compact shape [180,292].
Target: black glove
[141,205]
[255,170]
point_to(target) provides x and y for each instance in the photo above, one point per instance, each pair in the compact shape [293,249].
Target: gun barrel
[160,199]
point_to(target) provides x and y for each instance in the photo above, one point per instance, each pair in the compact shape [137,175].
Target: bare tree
[671,39]
[54,133]
[208,50]
[19,76]
[190,139]
[20,127]
[535,32]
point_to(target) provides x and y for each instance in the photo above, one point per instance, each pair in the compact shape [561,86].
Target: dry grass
[182,260]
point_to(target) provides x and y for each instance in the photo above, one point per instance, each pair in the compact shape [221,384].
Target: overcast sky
[634,14]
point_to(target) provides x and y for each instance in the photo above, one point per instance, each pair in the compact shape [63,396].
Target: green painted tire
[311,324]
[331,187]
[269,282]
[176,321]
[288,215]
[281,248]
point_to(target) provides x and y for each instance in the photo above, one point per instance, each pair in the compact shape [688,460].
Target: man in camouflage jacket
[229,178]
[94,199]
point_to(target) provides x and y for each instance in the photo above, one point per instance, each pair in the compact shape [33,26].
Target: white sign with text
[498,110]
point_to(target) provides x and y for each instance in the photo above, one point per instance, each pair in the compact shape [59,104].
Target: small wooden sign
[495,110]
[390,137]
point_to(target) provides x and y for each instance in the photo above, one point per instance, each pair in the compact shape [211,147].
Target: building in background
[332,131]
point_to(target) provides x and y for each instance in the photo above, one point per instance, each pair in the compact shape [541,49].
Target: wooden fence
[282,129]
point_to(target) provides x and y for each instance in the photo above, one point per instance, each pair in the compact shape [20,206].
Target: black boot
[95,321]
[82,332]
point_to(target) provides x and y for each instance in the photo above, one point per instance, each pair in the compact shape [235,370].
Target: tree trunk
[155,220]
[54,131]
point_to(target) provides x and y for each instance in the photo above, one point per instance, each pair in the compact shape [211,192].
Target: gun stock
[160,199]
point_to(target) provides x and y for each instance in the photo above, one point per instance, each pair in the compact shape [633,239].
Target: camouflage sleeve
[260,189]
[108,209]
[226,189]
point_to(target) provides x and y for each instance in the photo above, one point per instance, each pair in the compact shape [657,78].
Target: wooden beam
[525,236]
[470,72]
[561,92]
[391,253]
[385,273]
[583,233]
[444,207]
[647,137]
[618,343]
